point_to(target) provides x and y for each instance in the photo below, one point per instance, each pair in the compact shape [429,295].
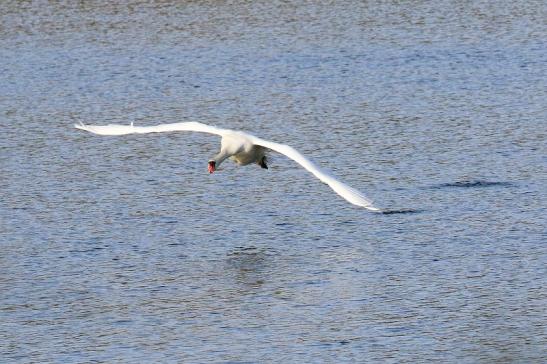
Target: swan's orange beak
[212,167]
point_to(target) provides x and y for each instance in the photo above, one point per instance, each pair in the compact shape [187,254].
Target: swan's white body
[243,148]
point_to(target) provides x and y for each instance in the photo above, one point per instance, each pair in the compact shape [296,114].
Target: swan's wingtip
[372,208]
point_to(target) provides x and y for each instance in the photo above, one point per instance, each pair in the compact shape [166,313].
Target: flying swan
[242,148]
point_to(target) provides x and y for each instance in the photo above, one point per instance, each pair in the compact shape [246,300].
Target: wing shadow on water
[401,211]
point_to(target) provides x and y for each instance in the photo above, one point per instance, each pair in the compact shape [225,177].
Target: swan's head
[212,166]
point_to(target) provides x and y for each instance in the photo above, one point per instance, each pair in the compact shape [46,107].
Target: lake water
[125,250]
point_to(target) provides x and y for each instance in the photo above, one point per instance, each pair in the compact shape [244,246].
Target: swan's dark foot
[262,163]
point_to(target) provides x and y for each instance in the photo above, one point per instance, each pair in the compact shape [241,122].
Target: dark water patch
[472,184]
[284,224]
[93,249]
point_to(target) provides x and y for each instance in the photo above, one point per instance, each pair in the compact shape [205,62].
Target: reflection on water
[127,250]
[250,267]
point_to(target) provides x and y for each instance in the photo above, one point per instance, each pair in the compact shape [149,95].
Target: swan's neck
[219,158]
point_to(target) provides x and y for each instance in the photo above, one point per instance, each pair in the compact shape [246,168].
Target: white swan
[242,148]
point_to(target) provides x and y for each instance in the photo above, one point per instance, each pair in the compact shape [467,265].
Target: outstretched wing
[347,192]
[116,129]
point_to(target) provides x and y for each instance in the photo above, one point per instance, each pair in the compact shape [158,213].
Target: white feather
[348,193]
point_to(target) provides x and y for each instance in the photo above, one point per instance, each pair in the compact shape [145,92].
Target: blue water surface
[124,249]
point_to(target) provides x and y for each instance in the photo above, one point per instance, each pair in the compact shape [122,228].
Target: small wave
[473,184]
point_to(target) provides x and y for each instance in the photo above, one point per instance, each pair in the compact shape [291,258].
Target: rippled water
[124,249]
